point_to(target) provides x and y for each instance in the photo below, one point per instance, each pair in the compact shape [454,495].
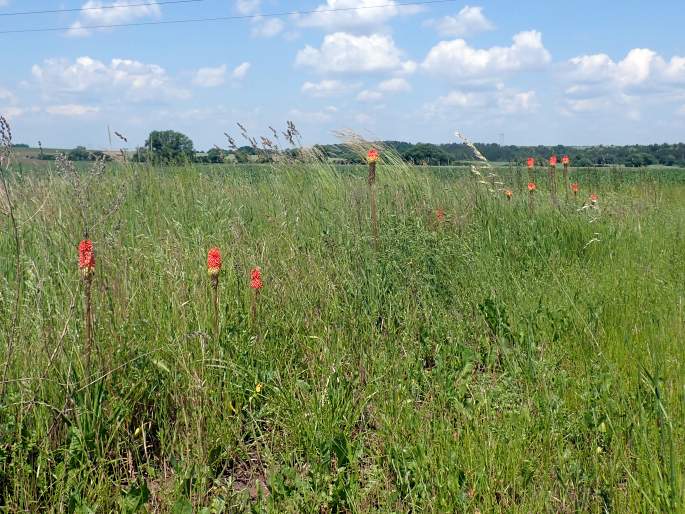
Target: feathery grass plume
[256,285]
[8,209]
[553,180]
[86,264]
[214,270]
[566,161]
[496,185]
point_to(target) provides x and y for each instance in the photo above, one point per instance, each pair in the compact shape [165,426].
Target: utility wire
[228,18]
[81,9]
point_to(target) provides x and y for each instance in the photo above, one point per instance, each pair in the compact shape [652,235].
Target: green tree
[79,154]
[168,147]
[215,155]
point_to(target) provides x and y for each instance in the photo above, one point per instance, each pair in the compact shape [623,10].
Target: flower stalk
[214,270]
[86,264]
[372,159]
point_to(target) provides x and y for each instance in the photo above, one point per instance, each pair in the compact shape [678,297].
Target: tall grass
[513,362]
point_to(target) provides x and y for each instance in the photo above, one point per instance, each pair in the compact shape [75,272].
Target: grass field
[501,359]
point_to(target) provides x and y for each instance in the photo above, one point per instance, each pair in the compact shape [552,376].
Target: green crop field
[483,355]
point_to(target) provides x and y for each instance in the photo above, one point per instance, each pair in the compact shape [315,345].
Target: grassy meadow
[499,358]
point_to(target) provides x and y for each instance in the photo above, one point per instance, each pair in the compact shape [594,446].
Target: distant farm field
[483,355]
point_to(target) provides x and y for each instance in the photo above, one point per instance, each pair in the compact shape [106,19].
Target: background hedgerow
[513,362]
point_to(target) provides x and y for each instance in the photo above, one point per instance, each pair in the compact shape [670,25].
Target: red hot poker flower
[86,257]
[256,279]
[531,163]
[214,262]
[565,160]
[594,198]
[440,214]
[372,156]
[531,186]
[553,161]
[509,194]
[575,188]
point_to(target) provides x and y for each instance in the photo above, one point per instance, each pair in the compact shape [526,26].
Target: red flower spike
[532,187]
[440,215]
[594,198]
[531,163]
[553,161]
[372,156]
[509,194]
[214,262]
[575,188]
[565,160]
[86,257]
[256,279]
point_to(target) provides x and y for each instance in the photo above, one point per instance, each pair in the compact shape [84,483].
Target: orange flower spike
[575,188]
[530,162]
[372,156]
[553,161]
[256,279]
[594,198]
[440,215]
[565,160]
[532,187]
[214,262]
[86,257]
[509,194]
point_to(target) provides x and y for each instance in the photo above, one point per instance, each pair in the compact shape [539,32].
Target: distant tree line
[171,147]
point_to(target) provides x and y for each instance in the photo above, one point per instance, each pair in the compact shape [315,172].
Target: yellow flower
[259,387]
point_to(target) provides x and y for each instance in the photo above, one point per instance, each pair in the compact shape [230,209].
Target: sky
[527,72]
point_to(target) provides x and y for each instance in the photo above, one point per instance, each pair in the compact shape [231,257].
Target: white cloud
[467,22]
[457,60]
[346,53]
[248,6]
[327,88]
[394,85]
[353,14]
[97,12]
[267,27]
[210,77]
[72,110]
[600,83]
[369,95]
[317,117]
[494,102]
[135,80]
[240,71]
[11,112]
[7,95]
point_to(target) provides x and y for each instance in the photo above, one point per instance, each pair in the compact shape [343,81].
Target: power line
[81,9]
[228,18]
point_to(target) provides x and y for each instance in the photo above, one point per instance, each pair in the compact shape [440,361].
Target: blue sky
[534,72]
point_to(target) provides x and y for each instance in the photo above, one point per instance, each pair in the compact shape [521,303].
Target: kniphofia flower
[440,214]
[532,187]
[575,188]
[565,160]
[509,194]
[553,161]
[531,163]
[594,198]
[372,156]
[86,257]
[214,262]
[256,279]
